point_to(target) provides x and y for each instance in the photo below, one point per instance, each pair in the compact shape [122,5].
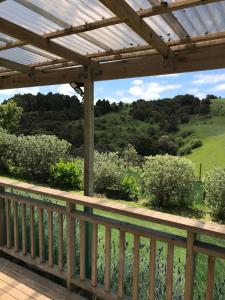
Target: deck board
[17,282]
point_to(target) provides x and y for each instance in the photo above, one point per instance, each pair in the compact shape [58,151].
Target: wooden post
[2,219]
[88,160]
[190,267]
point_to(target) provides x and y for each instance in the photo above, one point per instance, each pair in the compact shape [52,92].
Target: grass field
[211,130]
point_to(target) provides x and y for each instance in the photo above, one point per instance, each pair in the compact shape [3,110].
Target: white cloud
[152,90]
[11,92]
[119,93]
[219,88]
[137,82]
[208,78]
[66,89]
[169,75]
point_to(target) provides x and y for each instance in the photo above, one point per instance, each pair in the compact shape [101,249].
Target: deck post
[88,160]
[2,219]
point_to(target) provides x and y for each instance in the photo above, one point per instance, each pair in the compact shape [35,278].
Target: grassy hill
[211,130]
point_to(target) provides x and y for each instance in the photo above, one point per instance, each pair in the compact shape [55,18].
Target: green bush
[8,144]
[66,175]
[196,143]
[214,184]
[129,188]
[168,179]
[108,171]
[35,154]
[184,150]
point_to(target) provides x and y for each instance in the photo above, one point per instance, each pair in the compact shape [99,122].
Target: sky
[149,88]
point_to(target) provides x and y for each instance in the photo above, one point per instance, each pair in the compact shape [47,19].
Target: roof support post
[88,160]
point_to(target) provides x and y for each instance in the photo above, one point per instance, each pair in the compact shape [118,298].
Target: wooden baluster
[60,242]
[71,236]
[2,219]
[169,272]
[8,223]
[189,271]
[107,274]
[50,238]
[15,218]
[121,265]
[82,249]
[210,278]
[40,234]
[136,263]
[152,261]
[32,233]
[24,230]
[94,254]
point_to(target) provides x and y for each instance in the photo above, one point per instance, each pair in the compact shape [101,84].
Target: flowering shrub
[168,179]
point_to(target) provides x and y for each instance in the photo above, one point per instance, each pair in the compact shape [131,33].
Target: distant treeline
[150,126]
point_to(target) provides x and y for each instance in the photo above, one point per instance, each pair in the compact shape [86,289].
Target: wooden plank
[124,11]
[16,66]
[60,242]
[24,229]
[152,263]
[212,229]
[210,278]
[169,272]
[15,225]
[2,219]
[8,223]
[71,236]
[50,238]
[94,254]
[32,233]
[41,234]
[107,272]
[121,265]
[136,261]
[38,41]
[82,250]
[190,266]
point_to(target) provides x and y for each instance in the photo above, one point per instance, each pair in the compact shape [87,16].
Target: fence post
[190,267]
[2,219]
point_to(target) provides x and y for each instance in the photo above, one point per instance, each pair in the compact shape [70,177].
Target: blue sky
[149,88]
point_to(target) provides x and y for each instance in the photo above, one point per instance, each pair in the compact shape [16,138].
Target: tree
[130,156]
[10,115]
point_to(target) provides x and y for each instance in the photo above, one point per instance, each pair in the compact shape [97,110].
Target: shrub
[196,143]
[214,184]
[66,175]
[108,171]
[8,143]
[129,188]
[35,155]
[184,150]
[168,179]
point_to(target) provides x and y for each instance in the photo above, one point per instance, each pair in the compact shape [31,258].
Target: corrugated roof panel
[22,56]
[117,36]
[139,4]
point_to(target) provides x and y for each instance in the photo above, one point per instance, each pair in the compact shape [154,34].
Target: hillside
[211,130]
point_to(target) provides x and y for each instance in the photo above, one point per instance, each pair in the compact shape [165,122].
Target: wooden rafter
[16,66]
[44,13]
[125,12]
[171,20]
[144,13]
[34,39]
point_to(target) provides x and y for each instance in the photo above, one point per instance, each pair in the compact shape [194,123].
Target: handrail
[46,214]
[184,223]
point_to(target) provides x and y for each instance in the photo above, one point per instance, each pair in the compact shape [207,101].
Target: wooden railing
[26,215]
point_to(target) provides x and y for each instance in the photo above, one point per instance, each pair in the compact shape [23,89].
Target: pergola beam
[125,12]
[204,57]
[9,64]
[144,13]
[38,41]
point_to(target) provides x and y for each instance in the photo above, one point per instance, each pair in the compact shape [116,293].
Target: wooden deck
[16,282]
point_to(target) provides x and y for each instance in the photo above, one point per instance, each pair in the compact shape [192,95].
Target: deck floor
[16,282]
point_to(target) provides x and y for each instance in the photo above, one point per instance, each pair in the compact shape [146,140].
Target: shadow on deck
[16,282]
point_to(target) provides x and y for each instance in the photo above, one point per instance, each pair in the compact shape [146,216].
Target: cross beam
[9,64]
[125,12]
[38,41]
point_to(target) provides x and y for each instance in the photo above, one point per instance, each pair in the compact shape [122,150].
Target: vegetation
[168,179]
